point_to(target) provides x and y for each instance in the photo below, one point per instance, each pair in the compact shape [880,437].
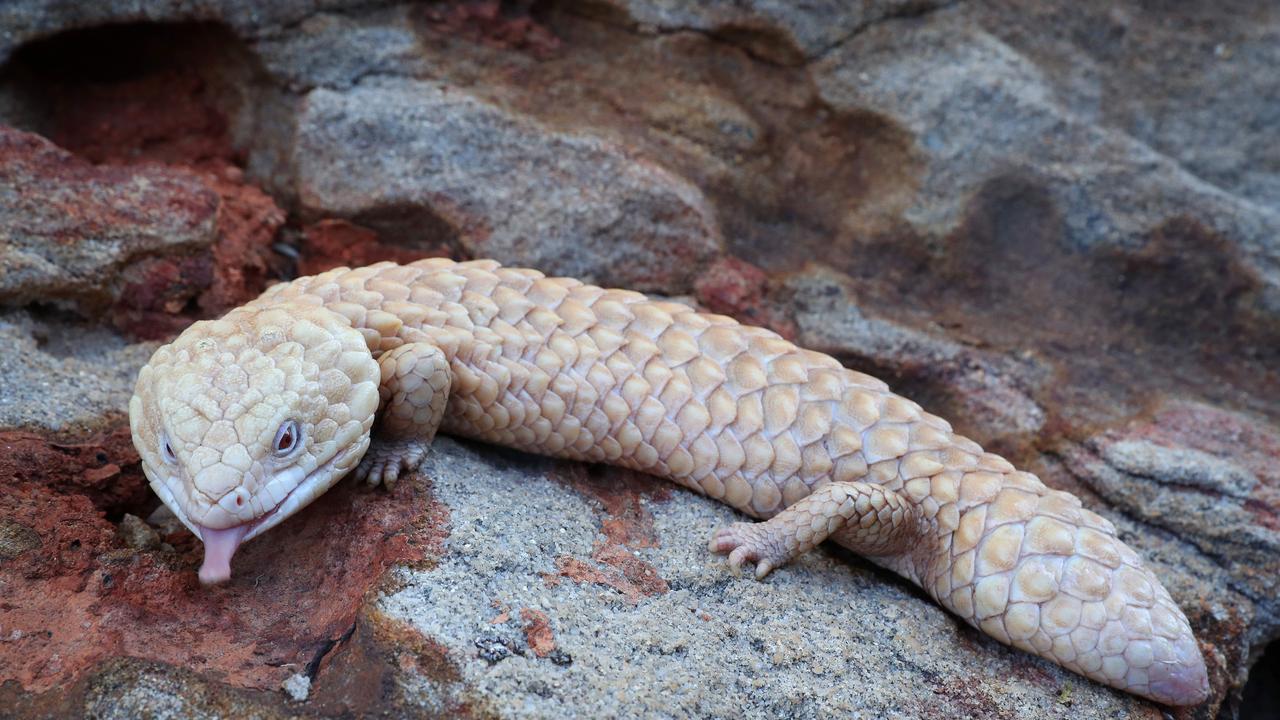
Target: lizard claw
[385,460]
[749,542]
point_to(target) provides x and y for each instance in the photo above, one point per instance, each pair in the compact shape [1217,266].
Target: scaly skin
[556,367]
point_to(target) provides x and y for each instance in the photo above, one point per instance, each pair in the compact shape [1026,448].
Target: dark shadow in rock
[62,334]
[821,177]
[359,675]
[506,25]
[1260,699]
[1121,322]
[123,93]
[415,228]
[328,244]
[98,474]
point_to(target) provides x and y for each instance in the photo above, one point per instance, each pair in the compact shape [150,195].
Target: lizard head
[240,422]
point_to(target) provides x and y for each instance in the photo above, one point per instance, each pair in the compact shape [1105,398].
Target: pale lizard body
[242,421]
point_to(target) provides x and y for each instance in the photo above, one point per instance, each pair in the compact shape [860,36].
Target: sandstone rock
[500,185]
[336,51]
[982,113]
[777,31]
[136,243]
[69,229]
[137,535]
[28,20]
[991,397]
[1112,65]
[63,374]
[1053,223]
[79,594]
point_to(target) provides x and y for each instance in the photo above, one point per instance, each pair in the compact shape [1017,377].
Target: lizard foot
[386,459]
[755,542]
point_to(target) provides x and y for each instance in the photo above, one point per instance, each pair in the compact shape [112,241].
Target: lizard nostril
[239,500]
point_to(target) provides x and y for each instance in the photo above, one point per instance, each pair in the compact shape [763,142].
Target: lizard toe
[749,543]
[386,459]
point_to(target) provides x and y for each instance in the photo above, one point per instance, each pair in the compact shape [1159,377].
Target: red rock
[622,495]
[333,243]
[626,524]
[484,21]
[166,117]
[75,595]
[72,227]
[537,632]
[160,246]
[737,288]
[642,578]
[167,123]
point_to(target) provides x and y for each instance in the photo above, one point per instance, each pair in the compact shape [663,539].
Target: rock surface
[585,210]
[635,610]
[70,227]
[781,32]
[1055,224]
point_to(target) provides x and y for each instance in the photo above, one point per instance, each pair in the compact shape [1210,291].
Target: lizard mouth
[220,544]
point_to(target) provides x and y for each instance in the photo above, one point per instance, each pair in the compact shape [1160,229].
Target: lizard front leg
[868,519]
[414,390]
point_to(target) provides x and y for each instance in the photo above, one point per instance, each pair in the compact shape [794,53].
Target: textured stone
[982,112]
[778,31]
[1052,223]
[1214,96]
[988,396]
[80,592]
[139,243]
[59,373]
[69,229]
[505,187]
[28,20]
[336,51]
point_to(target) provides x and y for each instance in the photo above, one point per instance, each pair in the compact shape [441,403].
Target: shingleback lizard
[242,421]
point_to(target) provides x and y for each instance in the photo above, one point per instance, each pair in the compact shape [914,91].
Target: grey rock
[297,686]
[137,534]
[786,32]
[1179,466]
[337,50]
[22,21]
[826,636]
[58,373]
[16,539]
[980,110]
[126,689]
[987,395]
[502,185]
[164,521]
[1180,78]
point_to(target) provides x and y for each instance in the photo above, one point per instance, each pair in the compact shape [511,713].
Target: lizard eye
[288,437]
[166,450]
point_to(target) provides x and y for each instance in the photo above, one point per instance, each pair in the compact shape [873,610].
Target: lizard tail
[1031,567]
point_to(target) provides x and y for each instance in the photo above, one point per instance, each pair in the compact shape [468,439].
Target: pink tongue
[219,546]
